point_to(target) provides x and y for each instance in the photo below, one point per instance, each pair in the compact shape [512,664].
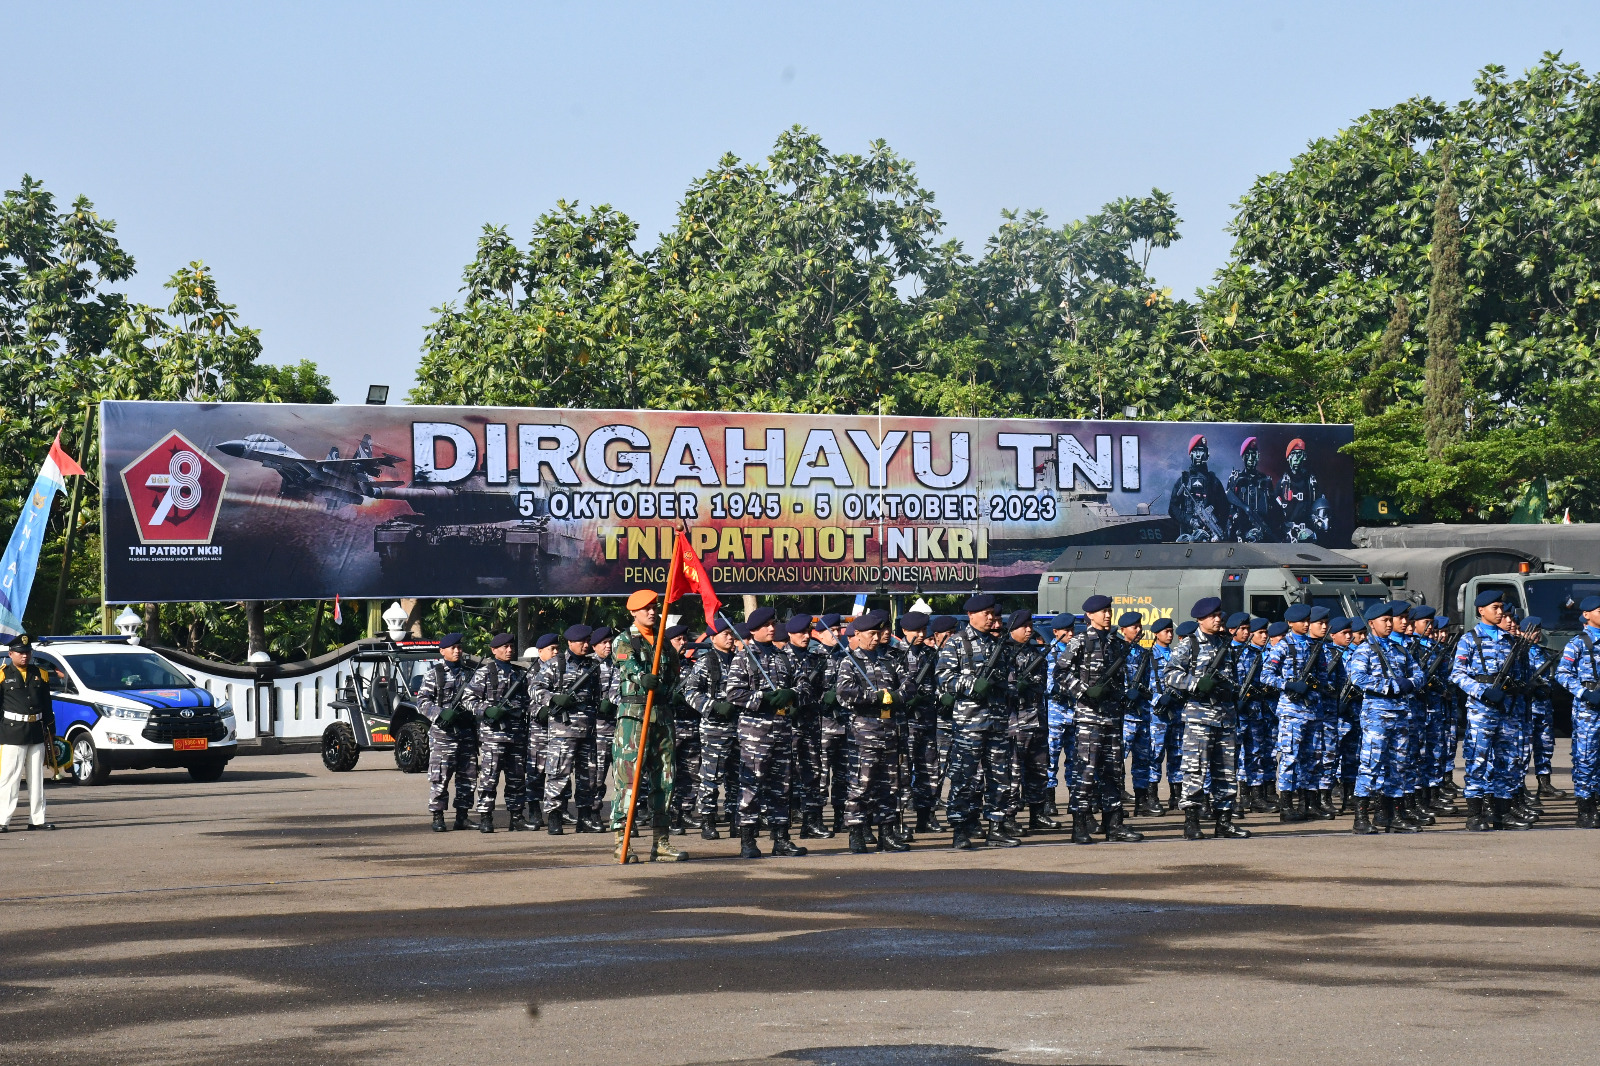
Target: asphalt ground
[288,915]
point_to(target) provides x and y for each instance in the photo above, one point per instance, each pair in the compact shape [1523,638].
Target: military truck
[1164,580]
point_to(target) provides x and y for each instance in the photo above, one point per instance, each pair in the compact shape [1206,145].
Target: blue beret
[943,624]
[1339,625]
[1422,611]
[1160,624]
[1589,603]
[1207,606]
[828,621]
[1319,613]
[1258,624]
[914,622]
[501,640]
[1063,621]
[1096,603]
[578,632]
[1298,612]
[1130,618]
[1440,621]
[1487,597]
[759,617]
[1399,607]
[1277,629]
[1021,617]
[1533,621]
[450,640]
[1187,628]
[601,634]
[980,602]
[800,623]
[1358,625]
[546,640]
[1237,619]
[672,633]
[872,620]
[1377,610]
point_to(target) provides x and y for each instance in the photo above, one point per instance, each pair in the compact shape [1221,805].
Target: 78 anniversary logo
[175,492]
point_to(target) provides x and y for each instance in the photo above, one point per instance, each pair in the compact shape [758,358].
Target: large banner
[296,501]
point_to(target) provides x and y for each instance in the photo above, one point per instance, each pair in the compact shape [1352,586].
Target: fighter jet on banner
[334,480]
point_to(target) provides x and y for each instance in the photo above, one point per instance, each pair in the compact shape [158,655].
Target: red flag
[338,619]
[689,575]
[66,465]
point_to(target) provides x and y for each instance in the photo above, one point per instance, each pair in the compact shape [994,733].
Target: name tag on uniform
[885,714]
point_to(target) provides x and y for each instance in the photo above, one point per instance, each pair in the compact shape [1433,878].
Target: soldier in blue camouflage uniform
[1028,728]
[810,670]
[533,657]
[1136,720]
[1484,655]
[1297,668]
[761,685]
[1166,724]
[1256,735]
[1237,626]
[875,691]
[922,717]
[1579,673]
[1063,733]
[1093,674]
[1350,711]
[452,732]
[973,665]
[1438,710]
[498,696]
[1415,722]
[1383,669]
[1541,732]
[1203,668]
[1340,650]
[703,689]
[648,755]
[1448,699]
[566,695]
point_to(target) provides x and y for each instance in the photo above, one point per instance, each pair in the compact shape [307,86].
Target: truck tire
[339,750]
[88,765]
[411,748]
[208,771]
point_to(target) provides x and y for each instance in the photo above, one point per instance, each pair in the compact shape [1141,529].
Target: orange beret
[642,599]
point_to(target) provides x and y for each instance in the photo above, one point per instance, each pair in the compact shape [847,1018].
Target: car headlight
[225,708]
[138,714]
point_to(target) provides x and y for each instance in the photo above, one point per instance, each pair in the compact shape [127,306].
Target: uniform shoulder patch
[621,652]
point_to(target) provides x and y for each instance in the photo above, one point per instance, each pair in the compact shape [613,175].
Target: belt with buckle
[22,717]
[885,714]
[780,711]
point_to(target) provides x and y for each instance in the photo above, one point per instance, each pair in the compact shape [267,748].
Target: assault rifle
[1135,691]
[1097,691]
[1207,682]
[1313,654]
[583,679]
[1447,652]
[1246,690]
[1535,684]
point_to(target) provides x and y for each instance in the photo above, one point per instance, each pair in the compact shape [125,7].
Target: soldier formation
[765,726]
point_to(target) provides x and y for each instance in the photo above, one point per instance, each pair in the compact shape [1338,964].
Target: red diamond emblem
[175,491]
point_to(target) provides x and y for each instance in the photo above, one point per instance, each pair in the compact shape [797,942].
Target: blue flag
[21,559]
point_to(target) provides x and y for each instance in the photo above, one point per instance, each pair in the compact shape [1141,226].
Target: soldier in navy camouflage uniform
[452,732]
[835,739]
[1579,673]
[686,735]
[719,732]
[538,735]
[1484,655]
[1093,674]
[1062,728]
[1203,668]
[973,665]
[1388,677]
[761,685]
[874,690]
[603,735]
[810,671]
[566,695]
[498,696]
[921,666]
[1029,727]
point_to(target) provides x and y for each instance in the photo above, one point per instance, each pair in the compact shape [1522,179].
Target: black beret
[500,640]
[853,628]
[1160,624]
[1208,606]
[1487,597]
[741,630]
[674,632]
[914,622]
[1022,618]
[1096,603]
[1422,611]
[943,624]
[1377,610]
[1130,618]
[759,617]
[1339,625]
[1297,612]
[1237,619]
[1187,628]
[1277,629]
[546,640]
[1258,624]
[578,632]
[828,621]
[1319,614]
[800,623]
[450,640]
[980,602]
[1589,603]
[601,634]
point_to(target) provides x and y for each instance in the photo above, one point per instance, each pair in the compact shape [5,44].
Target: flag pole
[649,699]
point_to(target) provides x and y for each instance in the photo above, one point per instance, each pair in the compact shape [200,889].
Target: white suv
[122,707]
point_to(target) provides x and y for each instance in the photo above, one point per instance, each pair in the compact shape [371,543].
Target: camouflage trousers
[1416,726]
[1213,748]
[1298,737]
[719,768]
[1350,747]
[450,755]
[807,769]
[836,759]
[599,764]
[1097,769]
[874,752]
[1585,749]
[1439,736]
[1541,739]
[766,749]
[1166,746]
[685,762]
[1030,769]
[924,760]
[1494,766]
[567,760]
[1327,751]
[656,756]
[1384,743]
[501,753]
[1136,743]
[1255,746]
[980,763]
[538,736]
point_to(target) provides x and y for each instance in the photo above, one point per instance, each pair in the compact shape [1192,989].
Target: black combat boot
[517,823]
[1382,808]
[1206,808]
[555,824]
[1152,803]
[813,829]
[1477,819]
[1450,787]
[1118,833]
[439,827]
[1347,795]
[1289,809]
[1191,824]
[1418,810]
[891,838]
[1224,827]
[961,838]
[1049,807]
[675,824]
[838,818]
[1001,837]
[535,816]
[1039,819]
[747,842]
[486,822]
[1506,816]
[1520,808]
[1174,799]
[1012,828]
[1140,797]
[1325,800]
[1549,791]
[1439,803]
[461,819]
[783,847]
[1587,814]
[691,818]
[858,840]
[1398,821]
[1082,827]
[925,822]
[708,827]
[1363,824]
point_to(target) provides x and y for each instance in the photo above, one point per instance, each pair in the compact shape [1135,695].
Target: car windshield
[109,671]
[1555,600]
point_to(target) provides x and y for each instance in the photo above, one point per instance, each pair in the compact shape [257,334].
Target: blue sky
[334,162]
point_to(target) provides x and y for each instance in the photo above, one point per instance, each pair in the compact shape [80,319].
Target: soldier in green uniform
[632,680]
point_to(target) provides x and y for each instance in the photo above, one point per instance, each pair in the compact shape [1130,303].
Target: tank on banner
[231,501]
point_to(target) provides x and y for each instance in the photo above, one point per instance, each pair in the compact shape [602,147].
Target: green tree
[1444,402]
